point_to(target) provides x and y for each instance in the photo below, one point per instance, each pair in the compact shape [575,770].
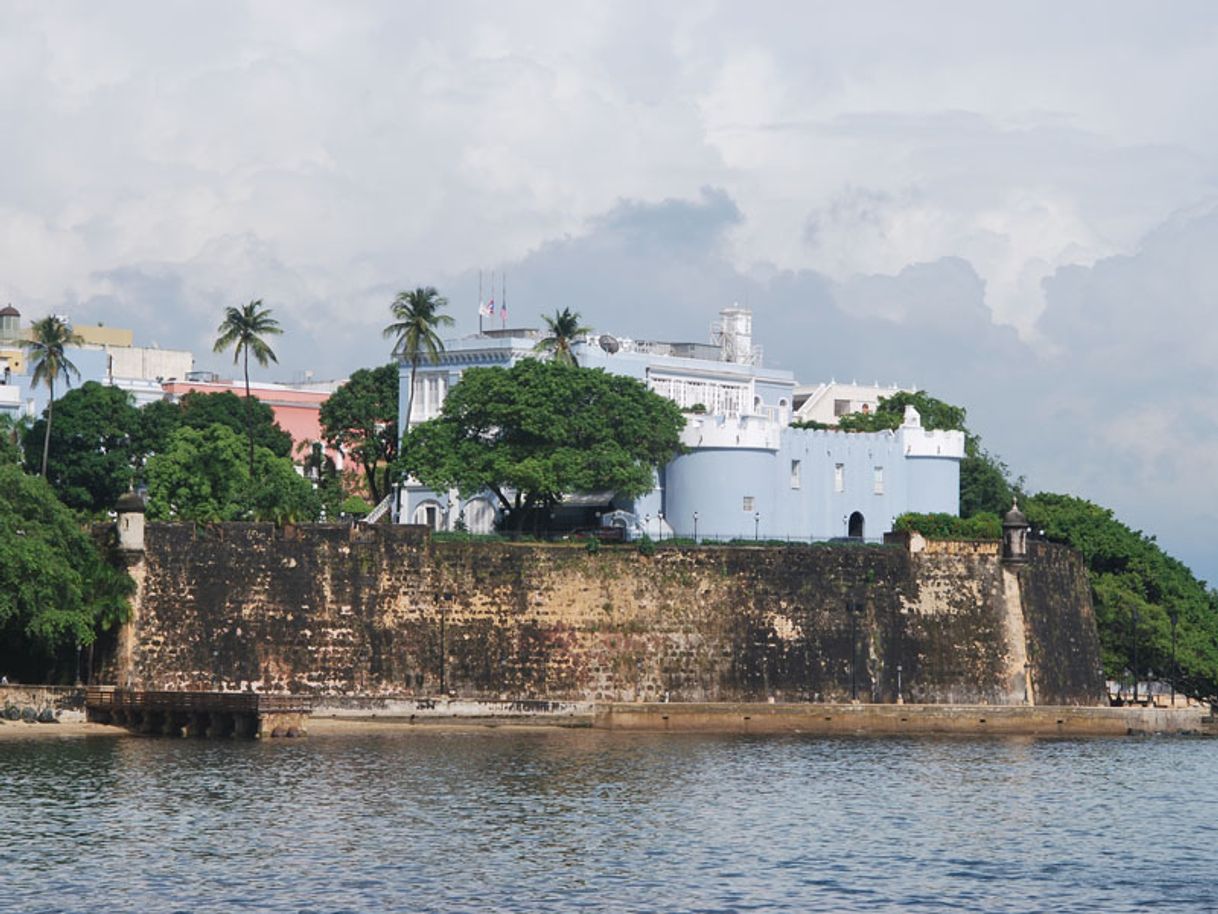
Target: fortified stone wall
[337,611]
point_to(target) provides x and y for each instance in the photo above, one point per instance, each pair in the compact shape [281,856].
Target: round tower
[1015,535]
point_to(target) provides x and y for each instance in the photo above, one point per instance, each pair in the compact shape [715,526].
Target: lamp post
[756,526]
[900,697]
[647,524]
[660,516]
[1134,617]
[695,528]
[1174,615]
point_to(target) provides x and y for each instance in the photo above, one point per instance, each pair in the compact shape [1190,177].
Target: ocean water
[581,820]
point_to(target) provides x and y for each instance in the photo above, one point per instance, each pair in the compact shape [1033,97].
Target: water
[503,820]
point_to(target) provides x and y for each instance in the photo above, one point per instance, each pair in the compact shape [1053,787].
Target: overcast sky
[1013,206]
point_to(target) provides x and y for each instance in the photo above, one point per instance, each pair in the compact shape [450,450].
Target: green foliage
[983,526]
[12,434]
[1130,573]
[355,506]
[985,483]
[592,545]
[562,330]
[813,424]
[200,410]
[417,317]
[542,429]
[361,418]
[935,414]
[243,330]
[647,546]
[49,338]
[90,459]
[56,589]
[202,477]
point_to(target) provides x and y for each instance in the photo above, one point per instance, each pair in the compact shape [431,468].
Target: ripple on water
[587,821]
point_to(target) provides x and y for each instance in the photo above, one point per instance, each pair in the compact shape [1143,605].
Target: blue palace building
[747,472]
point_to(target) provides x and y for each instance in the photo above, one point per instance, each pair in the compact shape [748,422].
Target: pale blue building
[747,473]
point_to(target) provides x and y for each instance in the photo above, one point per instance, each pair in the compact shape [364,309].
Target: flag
[503,313]
[490,307]
[483,311]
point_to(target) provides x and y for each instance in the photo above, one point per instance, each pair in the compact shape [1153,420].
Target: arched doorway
[428,513]
[855,527]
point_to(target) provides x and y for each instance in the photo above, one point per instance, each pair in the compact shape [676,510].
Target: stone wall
[335,611]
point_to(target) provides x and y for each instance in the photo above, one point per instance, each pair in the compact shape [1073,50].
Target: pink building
[297,408]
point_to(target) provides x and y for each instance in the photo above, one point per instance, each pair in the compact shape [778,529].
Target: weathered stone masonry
[379,611]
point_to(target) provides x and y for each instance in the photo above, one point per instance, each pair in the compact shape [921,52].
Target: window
[841,407]
[839,477]
[877,481]
[795,474]
[748,502]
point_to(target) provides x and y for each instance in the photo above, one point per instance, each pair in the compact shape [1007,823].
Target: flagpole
[503,292]
[479,303]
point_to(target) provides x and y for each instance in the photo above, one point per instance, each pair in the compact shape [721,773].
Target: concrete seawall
[867,719]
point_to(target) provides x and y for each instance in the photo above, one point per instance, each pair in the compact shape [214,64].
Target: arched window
[855,528]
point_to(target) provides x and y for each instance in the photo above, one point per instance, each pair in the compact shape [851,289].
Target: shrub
[982,526]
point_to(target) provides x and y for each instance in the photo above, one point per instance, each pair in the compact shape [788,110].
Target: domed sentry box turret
[1015,535]
[130,511]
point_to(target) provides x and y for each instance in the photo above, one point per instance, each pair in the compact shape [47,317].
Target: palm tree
[564,328]
[243,329]
[417,319]
[48,339]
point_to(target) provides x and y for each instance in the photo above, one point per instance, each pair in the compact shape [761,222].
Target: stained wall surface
[377,611]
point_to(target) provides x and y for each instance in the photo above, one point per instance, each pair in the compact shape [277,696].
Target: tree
[91,463]
[57,591]
[243,329]
[361,419]
[12,434]
[202,477]
[199,410]
[564,328]
[49,338]
[417,318]
[538,430]
[1133,578]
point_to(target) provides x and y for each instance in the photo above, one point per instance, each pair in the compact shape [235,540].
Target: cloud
[1007,206]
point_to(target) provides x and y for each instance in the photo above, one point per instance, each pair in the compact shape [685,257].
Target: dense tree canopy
[56,588]
[202,476]
[537,430]
[199,410]
[91,450]
[1131,575]
[361,419]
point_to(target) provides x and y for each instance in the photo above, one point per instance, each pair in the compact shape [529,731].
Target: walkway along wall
[336,611]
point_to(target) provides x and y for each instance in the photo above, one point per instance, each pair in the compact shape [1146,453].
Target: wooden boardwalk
[188,714]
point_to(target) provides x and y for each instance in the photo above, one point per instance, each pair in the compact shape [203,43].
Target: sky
[1011,205]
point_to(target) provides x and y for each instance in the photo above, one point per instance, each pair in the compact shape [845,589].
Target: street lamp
[695,528]
[1174,615]
[660,516]
[647,524]
[1134,617]
[900,697]
[756,526]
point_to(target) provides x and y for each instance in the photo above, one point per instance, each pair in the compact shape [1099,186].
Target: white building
[747,473]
